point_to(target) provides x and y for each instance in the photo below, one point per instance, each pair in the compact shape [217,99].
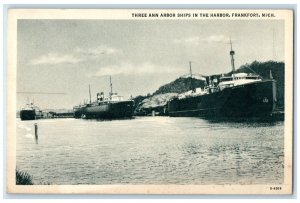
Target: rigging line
[254,72]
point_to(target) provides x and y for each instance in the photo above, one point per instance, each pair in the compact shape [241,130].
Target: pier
[58,114]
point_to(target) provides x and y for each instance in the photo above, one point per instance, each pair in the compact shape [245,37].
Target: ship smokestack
[232,58]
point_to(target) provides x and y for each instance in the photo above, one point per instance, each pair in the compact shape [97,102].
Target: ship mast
[191,68]
[90,94]
[111,92]
[192,86]
[232,59]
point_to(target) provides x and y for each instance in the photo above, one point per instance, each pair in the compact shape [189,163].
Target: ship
[237,95]
[111,107]
[30,112]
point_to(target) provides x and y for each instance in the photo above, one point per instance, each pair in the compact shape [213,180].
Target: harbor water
[151,150]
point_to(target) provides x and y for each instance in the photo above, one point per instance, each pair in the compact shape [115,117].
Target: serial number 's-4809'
[275,188]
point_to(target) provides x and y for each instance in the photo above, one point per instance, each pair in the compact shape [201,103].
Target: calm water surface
[151,150]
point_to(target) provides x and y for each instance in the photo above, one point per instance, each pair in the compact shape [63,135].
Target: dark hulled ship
[30,112]
[111,107]
[237,95]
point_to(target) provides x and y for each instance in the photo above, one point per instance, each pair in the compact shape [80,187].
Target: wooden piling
[36,131]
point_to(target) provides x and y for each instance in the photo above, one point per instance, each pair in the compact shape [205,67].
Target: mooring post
[36,131]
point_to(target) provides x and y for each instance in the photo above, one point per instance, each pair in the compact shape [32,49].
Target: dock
[58,114]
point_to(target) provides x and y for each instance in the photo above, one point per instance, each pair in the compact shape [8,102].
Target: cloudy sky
[67,55]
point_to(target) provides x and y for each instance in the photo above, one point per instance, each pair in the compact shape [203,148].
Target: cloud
[97,51]
[218,39]
[190,40]
[76,56]
[209,39]
[126,68]
[54,59]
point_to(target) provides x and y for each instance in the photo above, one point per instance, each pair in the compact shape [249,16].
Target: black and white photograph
[150,101]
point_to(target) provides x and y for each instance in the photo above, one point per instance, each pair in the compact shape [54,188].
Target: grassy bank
[23,178]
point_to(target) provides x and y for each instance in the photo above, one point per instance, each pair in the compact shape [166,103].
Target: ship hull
[257,99]
[110,110]
[27,115]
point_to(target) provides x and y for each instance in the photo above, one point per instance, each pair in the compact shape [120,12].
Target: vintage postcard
[149,101]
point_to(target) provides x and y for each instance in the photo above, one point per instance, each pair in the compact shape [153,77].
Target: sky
[65,56]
